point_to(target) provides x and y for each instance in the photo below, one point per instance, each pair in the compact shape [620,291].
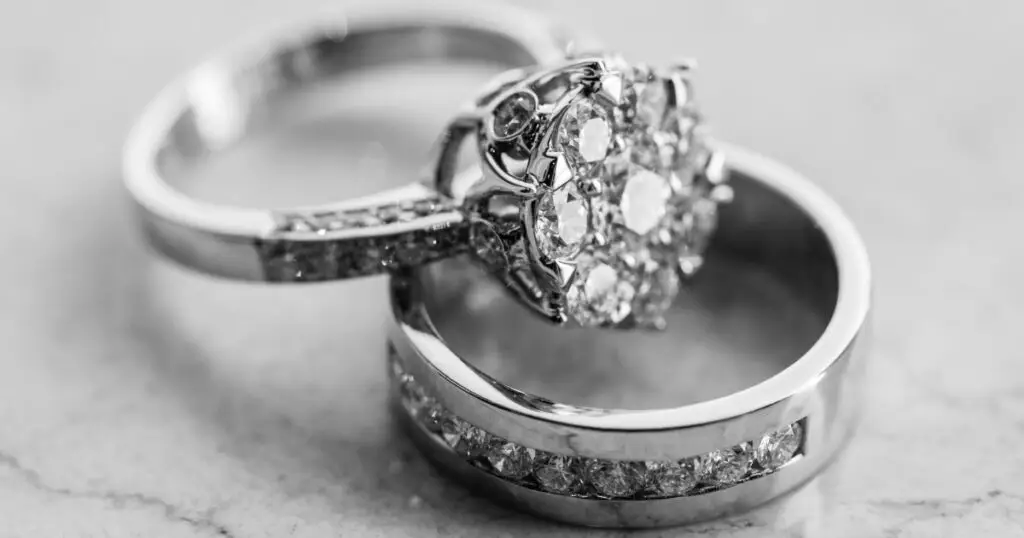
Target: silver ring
[220,101]
[644,468]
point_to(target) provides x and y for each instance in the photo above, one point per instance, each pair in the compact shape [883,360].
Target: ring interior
[764,296]
[229,99]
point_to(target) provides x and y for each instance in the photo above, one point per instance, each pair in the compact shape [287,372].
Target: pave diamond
[614,479]
[778,447]
[511,460]
[563,219]
[671,479]
[729,465]
[558,474]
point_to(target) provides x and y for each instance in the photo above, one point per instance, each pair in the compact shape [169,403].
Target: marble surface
[138,400]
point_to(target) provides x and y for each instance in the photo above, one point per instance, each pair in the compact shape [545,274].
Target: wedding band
[222,100]
[645,468]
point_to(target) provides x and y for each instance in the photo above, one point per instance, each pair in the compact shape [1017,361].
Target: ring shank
[224,99]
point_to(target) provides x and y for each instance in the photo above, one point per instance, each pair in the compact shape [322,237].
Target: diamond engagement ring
[718,454]
[227,98]
[599,189]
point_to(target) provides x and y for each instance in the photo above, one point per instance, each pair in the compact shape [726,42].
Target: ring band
[600,467]
[220,101]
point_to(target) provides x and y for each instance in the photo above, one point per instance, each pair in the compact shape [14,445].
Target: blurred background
[139,400]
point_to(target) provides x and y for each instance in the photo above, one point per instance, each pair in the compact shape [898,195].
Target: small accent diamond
[558,474]
[729,465]
[613,479]
[777,448]
[511,460]
[671,479]
[512,116]
[465,439]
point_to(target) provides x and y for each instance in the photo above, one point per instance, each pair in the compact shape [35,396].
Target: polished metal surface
[780,221]
[210,108]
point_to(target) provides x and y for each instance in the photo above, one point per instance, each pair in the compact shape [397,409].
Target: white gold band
[222,100]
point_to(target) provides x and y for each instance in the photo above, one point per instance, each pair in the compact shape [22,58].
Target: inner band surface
[225,101]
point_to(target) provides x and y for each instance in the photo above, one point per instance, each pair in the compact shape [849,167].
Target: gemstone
[729,465]
[414,399]
[778,447]
[464,438]
[433,415]
[512,115]
[671,479]
[562,222]
[644,200]
[600,295]
[558,474]
[585,132]
[612,479]
[652,103]
[511,460]
[659,288]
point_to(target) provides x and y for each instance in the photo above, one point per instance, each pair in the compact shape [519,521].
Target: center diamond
[644,200]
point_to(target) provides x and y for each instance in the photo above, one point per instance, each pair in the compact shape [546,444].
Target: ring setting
[614,187]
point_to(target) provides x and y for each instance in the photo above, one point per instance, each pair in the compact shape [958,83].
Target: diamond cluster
[647,206]
[305,256]
[597,478]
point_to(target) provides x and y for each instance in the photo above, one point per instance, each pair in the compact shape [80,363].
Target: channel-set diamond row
[597,478]
[306,256]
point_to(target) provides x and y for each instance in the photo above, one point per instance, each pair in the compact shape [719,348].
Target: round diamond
[658,290]
[563,219]
[778,447]
[585,132]
[465,439]
[613,479]
[644,200]
[512,115]
[414,399]
[600,295]
[728,466]
[652,103]
[558,474]
[511,460]
[671,479]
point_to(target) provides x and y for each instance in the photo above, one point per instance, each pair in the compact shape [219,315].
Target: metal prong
[591,187]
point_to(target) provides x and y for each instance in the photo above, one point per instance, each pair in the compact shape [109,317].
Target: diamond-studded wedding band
[227,97]
[643,468]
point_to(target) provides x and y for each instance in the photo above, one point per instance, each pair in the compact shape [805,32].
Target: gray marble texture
[139,400]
